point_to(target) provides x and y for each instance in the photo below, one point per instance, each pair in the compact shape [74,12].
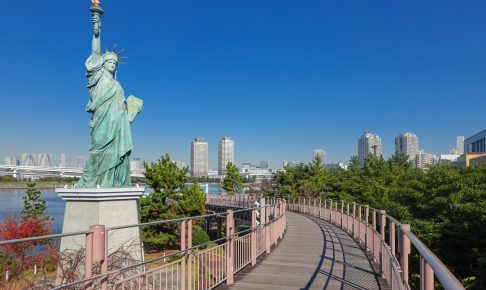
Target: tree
[170,199]
[15,228]
[34,206]
[232,183]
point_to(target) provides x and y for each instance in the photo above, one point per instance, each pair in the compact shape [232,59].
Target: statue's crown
[113,55]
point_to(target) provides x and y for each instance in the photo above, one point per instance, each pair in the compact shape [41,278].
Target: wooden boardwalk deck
[314,254]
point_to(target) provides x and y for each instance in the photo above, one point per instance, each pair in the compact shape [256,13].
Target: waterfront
[11,203]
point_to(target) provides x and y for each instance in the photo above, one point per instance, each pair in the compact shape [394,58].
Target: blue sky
[280,77]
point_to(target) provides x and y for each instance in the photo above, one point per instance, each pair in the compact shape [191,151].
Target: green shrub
[199,236]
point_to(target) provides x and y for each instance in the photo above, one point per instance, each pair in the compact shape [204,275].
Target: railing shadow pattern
[370,227]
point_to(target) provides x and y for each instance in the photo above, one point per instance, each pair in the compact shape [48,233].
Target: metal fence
[198,267]
[385,237]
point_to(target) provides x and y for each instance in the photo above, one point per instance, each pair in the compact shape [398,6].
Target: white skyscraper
[29,159]
[136,164]
[321,153]
[460,144]
[368,143]
[63,160]
[408,144]
[81,161]
[226,154]
[44,160]
[199,158]
[10,161]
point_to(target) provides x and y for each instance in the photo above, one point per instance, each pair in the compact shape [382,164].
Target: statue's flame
[95,2]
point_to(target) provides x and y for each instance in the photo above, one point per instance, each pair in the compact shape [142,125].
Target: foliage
[232,182]
[199,236]
[446,204]
[34,206]
[170,199]
[8,178]
[14,228]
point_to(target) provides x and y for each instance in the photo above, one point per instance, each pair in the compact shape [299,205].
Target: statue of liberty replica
[103,196]
[108,164]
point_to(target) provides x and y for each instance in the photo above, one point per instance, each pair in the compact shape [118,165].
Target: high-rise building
[460,144]
[407,143]
[422,159]
[81,160]
[63,160]
[136,164]
[28,159]
[476,143]
[10,161]
[199,158]
[44,160]
[368,143]
[321,153]
[264,164]
[226,154]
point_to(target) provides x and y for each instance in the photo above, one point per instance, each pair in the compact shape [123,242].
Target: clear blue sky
[280,77]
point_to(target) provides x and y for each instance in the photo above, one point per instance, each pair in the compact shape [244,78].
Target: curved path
[314,254]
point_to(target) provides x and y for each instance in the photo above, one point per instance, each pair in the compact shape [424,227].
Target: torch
[96,9]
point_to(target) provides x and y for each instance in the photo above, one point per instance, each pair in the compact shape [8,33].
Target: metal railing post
[392,237]
[428,276]
[100,251]
[367,216]
[330,210]
[229,247]
[262,211]
[267,230]
[189,258]
[88,266]
[320,207]
[359,221]
[183,248]
[354,218]
[404,251]
[347,217]
[253,237]
[382,223]
[325,209]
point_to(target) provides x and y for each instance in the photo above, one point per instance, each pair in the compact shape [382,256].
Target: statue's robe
[108,164]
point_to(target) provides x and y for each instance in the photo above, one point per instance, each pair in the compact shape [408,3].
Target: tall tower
[321,153]
[29,159]
[226,154]
[199,158]
[368,143]
[408,144]
[460,144]
[63,160]
[44,160]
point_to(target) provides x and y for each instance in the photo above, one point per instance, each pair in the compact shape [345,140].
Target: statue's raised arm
[96,12]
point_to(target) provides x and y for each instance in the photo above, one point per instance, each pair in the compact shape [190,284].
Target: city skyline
[317,81]
[368,143]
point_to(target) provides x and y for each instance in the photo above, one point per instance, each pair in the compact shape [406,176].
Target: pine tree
[232,183]
[170,199]
[34,206]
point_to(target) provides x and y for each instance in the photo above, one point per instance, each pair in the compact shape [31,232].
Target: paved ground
[314,254]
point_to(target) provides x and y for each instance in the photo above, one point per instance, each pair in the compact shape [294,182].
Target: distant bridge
[30,171]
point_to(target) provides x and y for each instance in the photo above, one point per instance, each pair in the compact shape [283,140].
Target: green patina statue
[108,164]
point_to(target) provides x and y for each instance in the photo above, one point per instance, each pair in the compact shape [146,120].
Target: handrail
[256,237]
[430,264]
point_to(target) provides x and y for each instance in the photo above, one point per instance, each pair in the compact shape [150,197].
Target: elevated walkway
[314,254]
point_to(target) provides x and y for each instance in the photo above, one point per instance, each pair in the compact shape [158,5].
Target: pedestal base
[110,207]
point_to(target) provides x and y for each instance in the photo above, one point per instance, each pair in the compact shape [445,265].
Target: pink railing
[193,266]
[379,233]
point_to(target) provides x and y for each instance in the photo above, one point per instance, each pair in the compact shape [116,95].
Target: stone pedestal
[110,207]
